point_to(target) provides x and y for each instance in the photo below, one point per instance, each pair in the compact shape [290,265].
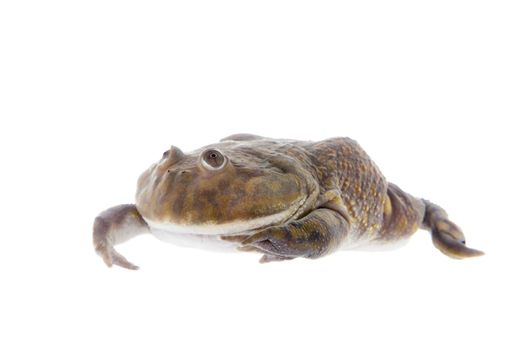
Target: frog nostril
[177,172]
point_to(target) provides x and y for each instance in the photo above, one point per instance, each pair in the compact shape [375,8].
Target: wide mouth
[229,228]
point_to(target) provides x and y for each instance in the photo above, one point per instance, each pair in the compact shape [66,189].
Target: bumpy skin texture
[282,198]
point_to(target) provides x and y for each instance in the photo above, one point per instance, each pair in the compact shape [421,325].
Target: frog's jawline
[235,227]
[207,236]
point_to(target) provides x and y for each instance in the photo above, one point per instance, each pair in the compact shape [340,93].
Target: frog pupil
[213,158]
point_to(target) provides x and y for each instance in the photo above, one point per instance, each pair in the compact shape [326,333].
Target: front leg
[313,236]
[114,226]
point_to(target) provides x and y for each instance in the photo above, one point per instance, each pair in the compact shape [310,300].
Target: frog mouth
[230,228]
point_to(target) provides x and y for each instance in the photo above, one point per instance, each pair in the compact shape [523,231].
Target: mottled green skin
[321,195]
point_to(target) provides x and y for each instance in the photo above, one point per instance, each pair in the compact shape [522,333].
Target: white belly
[208,236]
[194,240]
[214,243]
[374,245]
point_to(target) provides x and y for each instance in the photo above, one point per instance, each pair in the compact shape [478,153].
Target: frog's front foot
[111,256]
[114,226]
[266,258]
[266,255]
[276,243]
[313,236]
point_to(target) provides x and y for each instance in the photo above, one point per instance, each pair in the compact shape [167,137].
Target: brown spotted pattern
[266,176]
[254,183]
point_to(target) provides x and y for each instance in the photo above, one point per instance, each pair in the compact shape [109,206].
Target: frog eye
[212,159]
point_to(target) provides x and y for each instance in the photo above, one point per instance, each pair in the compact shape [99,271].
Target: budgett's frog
[282,198]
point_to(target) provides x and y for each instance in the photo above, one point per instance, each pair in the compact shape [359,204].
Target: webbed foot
[112,257]
[266,256]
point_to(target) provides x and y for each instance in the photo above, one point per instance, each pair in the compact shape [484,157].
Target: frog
[281,198]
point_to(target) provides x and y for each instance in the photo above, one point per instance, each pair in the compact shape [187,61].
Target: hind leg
[402,215]
[437,218]
[405,214]
[446,235]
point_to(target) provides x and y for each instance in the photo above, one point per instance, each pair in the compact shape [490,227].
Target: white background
[91,93]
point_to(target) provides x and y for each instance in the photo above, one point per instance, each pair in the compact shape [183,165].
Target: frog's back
[342,165]
[379,214]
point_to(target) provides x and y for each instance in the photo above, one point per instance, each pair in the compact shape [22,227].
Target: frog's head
[223,188]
